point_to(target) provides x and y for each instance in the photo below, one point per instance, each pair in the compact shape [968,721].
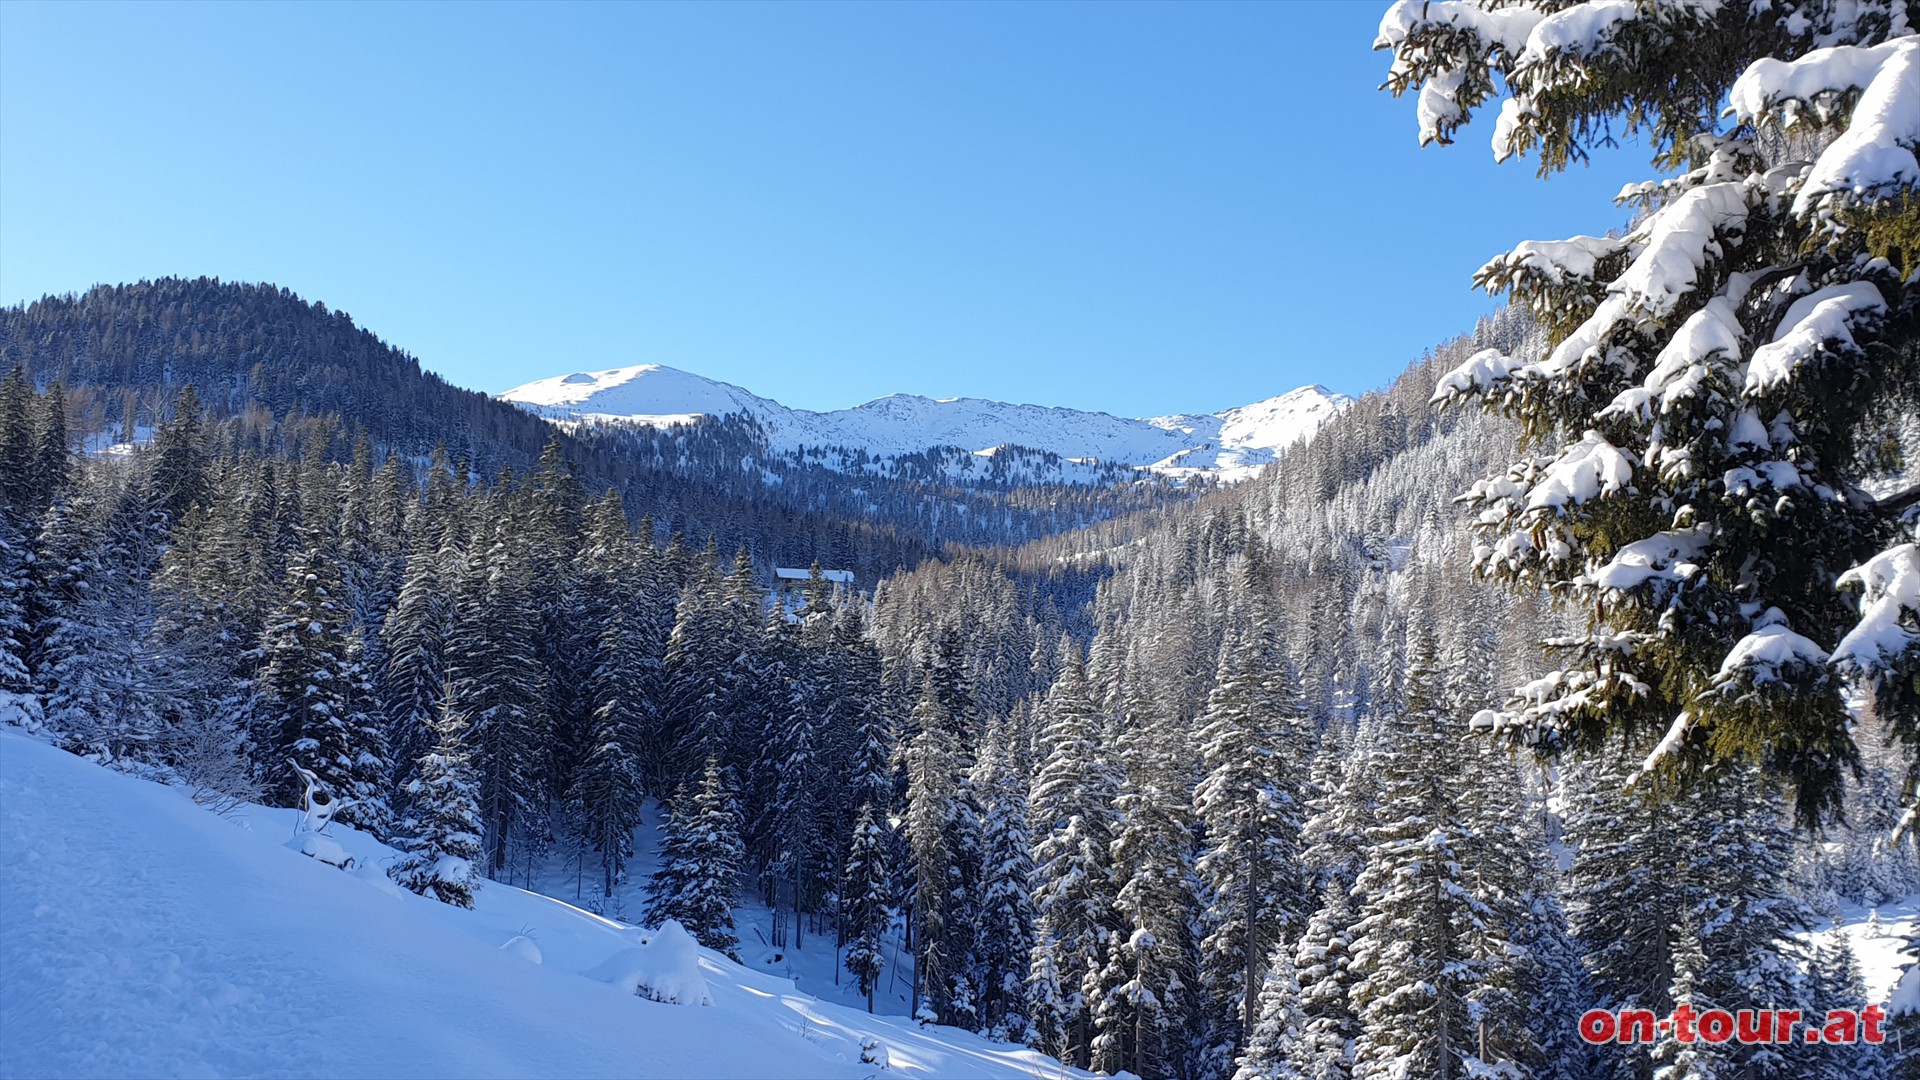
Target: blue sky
[1136,208]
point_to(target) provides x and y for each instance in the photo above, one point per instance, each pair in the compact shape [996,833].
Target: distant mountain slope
[1230,442]
[293,377]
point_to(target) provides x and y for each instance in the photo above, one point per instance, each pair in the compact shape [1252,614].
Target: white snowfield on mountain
[1231,443]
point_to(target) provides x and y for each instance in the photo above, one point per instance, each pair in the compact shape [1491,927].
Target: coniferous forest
[1578,668]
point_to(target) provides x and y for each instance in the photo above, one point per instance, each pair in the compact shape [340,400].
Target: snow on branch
[1874,158]
[1709,337]
[1552,262]
[1773,647]
[1820,322]
[1582,472]
[1665,556]
[1482,372]
[1889,623]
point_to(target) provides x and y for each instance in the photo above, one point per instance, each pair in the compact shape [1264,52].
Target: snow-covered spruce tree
[1834,982]
[1713,861]
[866,908]
[1144,1001]
[16,439]
[702,680]
[932,803]
[103,686]
[868,724]
[1323,965]
[702,863]
[605,786]
[1676,1057]
[497,689]
[415,635]
[16,578]
[306,710]
[1278,1048]
[1709,422]
[1006,903]
[1070,808]
[179,450]
[803,815]
[1254,744]
[549,508]
[1428,941]
[370,768]
[1345,790]
[442,841]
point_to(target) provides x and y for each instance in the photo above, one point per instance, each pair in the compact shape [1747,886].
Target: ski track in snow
[146,936]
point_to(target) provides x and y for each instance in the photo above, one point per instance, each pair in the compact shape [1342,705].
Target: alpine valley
[631,724]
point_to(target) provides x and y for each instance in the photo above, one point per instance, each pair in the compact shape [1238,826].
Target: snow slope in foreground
[1233,443]
[145,936]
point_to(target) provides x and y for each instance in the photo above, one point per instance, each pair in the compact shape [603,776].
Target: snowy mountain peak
[1229,444]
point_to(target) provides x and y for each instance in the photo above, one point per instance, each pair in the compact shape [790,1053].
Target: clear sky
[1136,208]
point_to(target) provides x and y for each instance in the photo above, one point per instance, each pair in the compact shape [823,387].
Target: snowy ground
[146,936]
[1879,952]
[814,968]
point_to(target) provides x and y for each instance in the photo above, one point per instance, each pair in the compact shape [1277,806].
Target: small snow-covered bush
[523,947]
[665,968]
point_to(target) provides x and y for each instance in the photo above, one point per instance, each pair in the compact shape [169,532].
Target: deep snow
[146,936]
[1231,443]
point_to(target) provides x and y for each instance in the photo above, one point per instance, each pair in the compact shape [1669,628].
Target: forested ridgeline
[297,378]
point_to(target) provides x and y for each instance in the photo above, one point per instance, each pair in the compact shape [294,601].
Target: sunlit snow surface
[141,935]
[1231,443]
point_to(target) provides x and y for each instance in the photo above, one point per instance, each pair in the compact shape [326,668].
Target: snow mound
[665,968]
[324,848]
[522,946]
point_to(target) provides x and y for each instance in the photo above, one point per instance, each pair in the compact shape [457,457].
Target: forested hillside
[291,377]
[1578,669]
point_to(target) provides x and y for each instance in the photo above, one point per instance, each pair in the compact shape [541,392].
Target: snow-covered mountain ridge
[1230,444]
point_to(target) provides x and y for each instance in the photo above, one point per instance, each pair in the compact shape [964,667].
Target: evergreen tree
[369,773]
[1278,1047]
[1414,957]
[496,689]
[180,458]
[1144,1000]
[1253,744]
[932,803]
[52,455]
[702,679]
[1323,960]
[865,911]
[606,785]
[1005,933]
[306,710]
[17,401]
[1718,378]
[16,578]
[1070,807]
[702,861]
[105,689]
[443,834]
[415,635]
